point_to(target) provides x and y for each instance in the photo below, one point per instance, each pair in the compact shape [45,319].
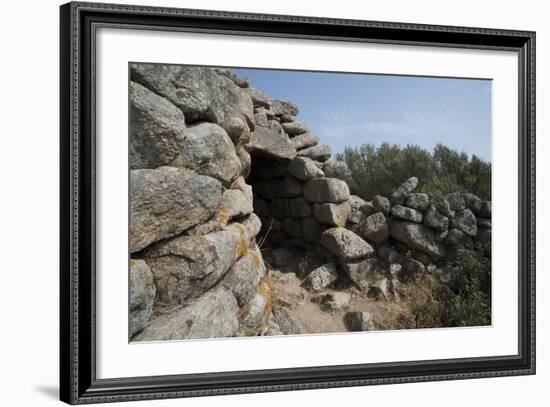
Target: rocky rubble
[223,177]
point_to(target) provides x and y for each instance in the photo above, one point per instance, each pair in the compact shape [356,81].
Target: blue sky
[353,109]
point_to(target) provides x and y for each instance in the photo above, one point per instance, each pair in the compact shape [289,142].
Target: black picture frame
[78,382]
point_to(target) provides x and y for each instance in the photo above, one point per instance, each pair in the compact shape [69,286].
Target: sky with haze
[354,109]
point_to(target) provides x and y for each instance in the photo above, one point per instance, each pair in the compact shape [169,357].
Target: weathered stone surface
[199,92]
[332,214]
[375,228]
[483,223]
[286,118]
[400,195]
[345,244]
[288,324]
[243,278]
[304,169]
[166,201]
[320,152]
[443,206]
[282,257]
[332,301]
[325,190]
[142,295]
[269,143]
[434,219]
[258,310]
[304,140]
[370,275]
[360,209]
[418,237]
[336,169]
[236,202]
[418,200]
[465,220]
[213,315]
[208,150]
[295,128]
[187,266]
[321,277]
[246,162]
[243,82]
[359,321]
[258,98]
[472,202]
[311,230]
[157,129]
[405,213]
[281,107]
[267,111]
[237,130]
[290,187]
[261,119]
[456,201]
[381,204]
[252,224]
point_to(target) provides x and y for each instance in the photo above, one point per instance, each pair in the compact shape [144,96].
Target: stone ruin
[223,176]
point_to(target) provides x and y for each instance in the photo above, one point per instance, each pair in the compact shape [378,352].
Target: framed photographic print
[255,203]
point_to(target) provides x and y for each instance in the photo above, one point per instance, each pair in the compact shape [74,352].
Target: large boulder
[323,190]
[418,237]
[304,140]
[456,201]
[400,195]
[167,201]
[245,275]
[320,152]
[405,213]
[295,128]
[142,295]
[418,200]
[381,204]
[157,129]
[465,220]
[332,214]
[304,169]
[200,92]
[208,150]
[345,244]
[360,209]
[213,315]
[321,277]
[236,202]
[336,169]
[434,219]
[375,228]
[282,107]
[187,266]
[270,143]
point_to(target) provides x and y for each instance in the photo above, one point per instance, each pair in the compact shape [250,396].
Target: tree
[378,171]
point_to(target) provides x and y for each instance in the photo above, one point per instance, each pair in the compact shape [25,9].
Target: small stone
[331,213]
[320,152]
[375,228]
[359,321]
[304,169]
[381,204]
[400,195]
[434,219]
[323,190]
[360,209]
[295,128]
[456,201]
[443,206]
[465,220]
[419,201]
[332,301]
[321,277]
[304,140]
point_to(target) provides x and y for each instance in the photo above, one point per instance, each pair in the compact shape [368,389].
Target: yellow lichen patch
[257,257]
[132,263]
[223,217]
[341,222]
[265,290]
[242,247]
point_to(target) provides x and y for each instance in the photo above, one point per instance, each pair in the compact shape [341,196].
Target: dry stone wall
[222,176]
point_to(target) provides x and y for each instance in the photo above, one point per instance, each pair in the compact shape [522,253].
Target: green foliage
[378,171]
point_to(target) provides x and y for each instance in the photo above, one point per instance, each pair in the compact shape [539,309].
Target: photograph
[266,202]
